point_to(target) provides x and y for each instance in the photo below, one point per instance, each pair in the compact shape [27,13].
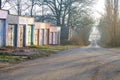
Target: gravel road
[74,64]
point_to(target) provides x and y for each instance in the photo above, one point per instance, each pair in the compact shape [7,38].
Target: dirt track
[74,64]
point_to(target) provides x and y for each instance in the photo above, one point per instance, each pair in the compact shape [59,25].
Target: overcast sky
[99,8]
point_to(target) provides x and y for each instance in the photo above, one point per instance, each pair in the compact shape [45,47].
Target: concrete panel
[26,20]
[42,25]
[3,14]
[36,25]
[12,19]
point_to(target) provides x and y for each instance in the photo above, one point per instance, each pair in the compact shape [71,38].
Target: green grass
[55,47]
[5,57]
[11,59]
[41,51]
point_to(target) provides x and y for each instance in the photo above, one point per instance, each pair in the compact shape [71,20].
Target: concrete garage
[55,35]
[20,31]
[44,31]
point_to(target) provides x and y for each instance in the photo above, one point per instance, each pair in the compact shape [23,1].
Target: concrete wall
[12,19]
[3,14]
[36,25]
[26,20]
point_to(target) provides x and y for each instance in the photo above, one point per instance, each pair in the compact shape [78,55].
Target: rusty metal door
[36,37]
[10,35]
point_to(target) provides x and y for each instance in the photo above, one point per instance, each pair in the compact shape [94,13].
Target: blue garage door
[2,32]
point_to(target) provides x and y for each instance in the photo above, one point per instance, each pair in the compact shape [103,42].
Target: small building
[42,30]
[45,34]
[55,33]
[20,31]
[3,25]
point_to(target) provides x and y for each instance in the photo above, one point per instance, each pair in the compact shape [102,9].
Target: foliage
[80,23]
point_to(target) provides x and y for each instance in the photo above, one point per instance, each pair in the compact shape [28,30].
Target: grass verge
[16,55]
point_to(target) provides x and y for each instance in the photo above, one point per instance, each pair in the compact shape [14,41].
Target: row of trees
[110,24]
[80,24]
[69,14]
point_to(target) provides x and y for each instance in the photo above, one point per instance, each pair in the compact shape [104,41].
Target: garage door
[2,32]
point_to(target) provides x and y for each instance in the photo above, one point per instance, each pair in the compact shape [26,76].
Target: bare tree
[3,3]
[18,6]
[113,9]
[80,24]
[59,9]
[32,4]
[110,23]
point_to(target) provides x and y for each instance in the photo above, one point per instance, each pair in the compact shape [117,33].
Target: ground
[74,64]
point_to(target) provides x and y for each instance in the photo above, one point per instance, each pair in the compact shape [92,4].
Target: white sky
[98,8]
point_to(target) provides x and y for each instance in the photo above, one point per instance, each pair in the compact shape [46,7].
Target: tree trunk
[70,34]
[31,11]
[112,21]
[18,8]
[58,20]
[0,4]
